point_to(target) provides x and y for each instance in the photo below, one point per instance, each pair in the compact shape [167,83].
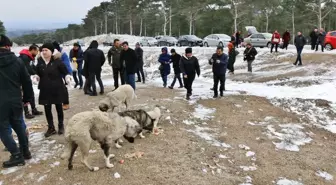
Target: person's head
[57,46]
[299,33]
[137,45]
[276,31]
[116,42]
[321,29]
[188,52]
[164,50]
[94,44]
[248,45]
[47,50]
[315,30]
[5,42]
[125,46]
[34,50]
[76,46]
[172,51]
[219,50]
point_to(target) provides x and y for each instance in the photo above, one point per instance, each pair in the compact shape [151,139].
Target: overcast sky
[30,14]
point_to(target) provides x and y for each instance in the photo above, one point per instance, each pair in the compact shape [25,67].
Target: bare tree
[321,8]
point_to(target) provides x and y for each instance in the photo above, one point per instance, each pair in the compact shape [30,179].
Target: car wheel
[178,45]
[221,44]
[269,45]
[206,44]
[328,47]
[141,45]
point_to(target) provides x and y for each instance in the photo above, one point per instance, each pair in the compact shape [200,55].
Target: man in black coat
[313,38]
[129,60]
[13,76]
[299,42]
[140,63]
[219,62]
[28,57]
[95,59]
[175,58]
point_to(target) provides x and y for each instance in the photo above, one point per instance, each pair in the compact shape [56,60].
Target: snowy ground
[274,126]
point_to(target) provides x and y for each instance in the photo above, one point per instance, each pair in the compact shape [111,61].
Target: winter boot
[60,129]
[27,113]
[181,87]
[188,96]
[15,160]
[36,112]
[93,94]
[50,132]
[26,153]
[171,87]
[221,94]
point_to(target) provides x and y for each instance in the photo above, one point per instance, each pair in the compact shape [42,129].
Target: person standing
[76,55]
[129,58]
[13,76]
[232,57]
[189,67]
[249,56]
[50,71]
[286,38]
[219,62]
[65,59]
[175,59]
[164,68]
[28,58]
[320,39]
[275,41]
[300,42]
[238,37]
[140,63]
[87,85]
[95,59]
[313,38]
[113,57]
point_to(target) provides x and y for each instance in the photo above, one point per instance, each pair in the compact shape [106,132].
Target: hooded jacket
[189,66]
[13,75]
[130,60]
[165,60]
[80,55]
[139,53]
[113,57]
[176,63]
[28,61]
[94,58]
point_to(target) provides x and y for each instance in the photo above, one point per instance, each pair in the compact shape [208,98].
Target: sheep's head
[110,102]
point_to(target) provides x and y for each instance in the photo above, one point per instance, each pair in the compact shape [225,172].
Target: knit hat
[172,51]
[188,50]
[49,46]
[76,44]
[5,41]
[220,47]
[137,44]
[57,46]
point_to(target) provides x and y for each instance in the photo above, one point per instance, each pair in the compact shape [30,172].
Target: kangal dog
[106,128]
[124,94]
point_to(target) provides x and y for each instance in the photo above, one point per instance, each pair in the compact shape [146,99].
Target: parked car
[148,41]
[259,40]
[107,44]
[159,37]
[216,40]
[167,41]
[189,40]
[330,40]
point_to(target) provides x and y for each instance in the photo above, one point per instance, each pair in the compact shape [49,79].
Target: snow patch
[188,122]
[249,168]
[291,137]
[250,154]
[324,175]
[244,147]
[248,181]
[288,182]
[42,178]
[203,113]
[10,170]
[201,132]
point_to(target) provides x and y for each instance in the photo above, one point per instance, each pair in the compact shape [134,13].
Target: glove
[217,61]
[211,61]
[68,79]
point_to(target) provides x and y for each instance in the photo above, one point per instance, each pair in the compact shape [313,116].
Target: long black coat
[51,85]
[176,63]
[190,66]
[129,59]
[139,53]
[94,59]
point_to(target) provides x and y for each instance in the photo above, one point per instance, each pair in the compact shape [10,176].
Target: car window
[261,36]
[333,33]
[254,36]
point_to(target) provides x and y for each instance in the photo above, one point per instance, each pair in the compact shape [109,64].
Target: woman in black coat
[50,70]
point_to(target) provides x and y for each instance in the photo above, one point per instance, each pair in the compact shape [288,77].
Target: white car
[216,40]
[148,41]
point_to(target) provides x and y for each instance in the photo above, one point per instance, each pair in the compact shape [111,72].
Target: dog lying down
[106,128]
[124,94]
[147,121]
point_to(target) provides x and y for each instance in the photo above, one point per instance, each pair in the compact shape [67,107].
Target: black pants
[116,73]
[276,47]
[285,45]
[231,66]
[177,77]
[317,46]
[93,76]
[313,45]
[188,83]
[79,74]
[298,58]
[32,105]
[87,85]
[141,72]
[49,116]
[217,79]
[66,101]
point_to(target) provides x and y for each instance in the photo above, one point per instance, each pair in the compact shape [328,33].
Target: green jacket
[113,57]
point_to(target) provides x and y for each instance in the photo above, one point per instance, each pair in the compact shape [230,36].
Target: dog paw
[109,165]
[118,146]
[95,169]
[111,156]
[142,136]
[120,141]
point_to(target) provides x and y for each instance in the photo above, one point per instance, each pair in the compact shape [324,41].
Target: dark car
[107,44]
[167,41]
[189,40]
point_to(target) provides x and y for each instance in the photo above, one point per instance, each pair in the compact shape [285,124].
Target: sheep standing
[123,95]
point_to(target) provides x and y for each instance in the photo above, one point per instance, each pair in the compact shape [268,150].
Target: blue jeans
[164,78]
[78,73]
[15,122]
[298,59]
[130,79]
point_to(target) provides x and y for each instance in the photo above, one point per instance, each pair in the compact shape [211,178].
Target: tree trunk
[165,23]
[320,14]
[145,29]
[267,19]
[170,21]
[105,23]
[95,27]
[116,25]
[131,26]
[141,20]
[101,27]
[235,18]
[293,23]
[190,24]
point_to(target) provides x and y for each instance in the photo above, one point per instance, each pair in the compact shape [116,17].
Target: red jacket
[26,52]
[274,37]
[286,37]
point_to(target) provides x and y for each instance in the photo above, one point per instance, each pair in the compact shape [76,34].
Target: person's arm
[109,56]
[304,41]
[66,61]
[71,55]
[182,67]
[211,60]
[197,66]
[80,56]
[102,58]
[160,59]
[62,68]
[27,86]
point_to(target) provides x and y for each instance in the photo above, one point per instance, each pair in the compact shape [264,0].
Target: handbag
[74,66]
[161,67]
